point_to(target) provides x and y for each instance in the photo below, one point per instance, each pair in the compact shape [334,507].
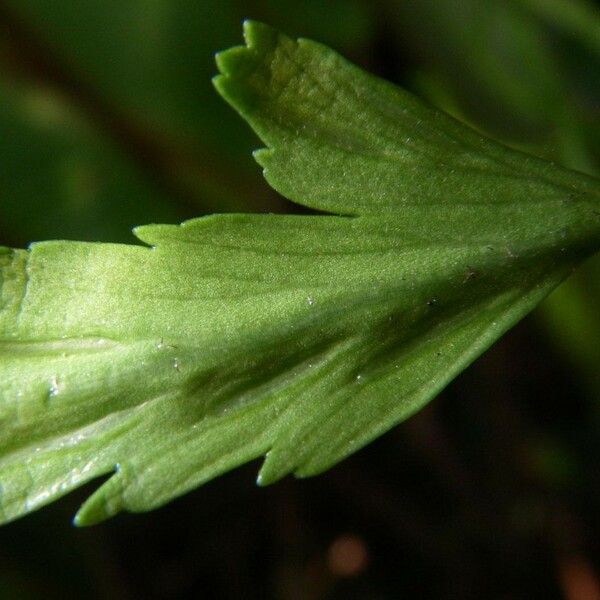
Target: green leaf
[300,338]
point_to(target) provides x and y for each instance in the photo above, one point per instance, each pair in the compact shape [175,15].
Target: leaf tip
[105,502]
[259,35]
[272,469]
[237,66]
[262,156]
[259,39]
[144,233]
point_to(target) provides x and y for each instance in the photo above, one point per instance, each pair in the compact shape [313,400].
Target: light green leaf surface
[298,338]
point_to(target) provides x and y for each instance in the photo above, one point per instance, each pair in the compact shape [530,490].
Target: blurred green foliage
[108,120]
[114,103]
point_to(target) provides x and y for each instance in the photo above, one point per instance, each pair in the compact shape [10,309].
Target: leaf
[300,338]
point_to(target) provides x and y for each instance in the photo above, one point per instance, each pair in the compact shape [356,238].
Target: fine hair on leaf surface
[296,338]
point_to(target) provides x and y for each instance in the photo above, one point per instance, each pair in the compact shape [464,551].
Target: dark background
[108,120]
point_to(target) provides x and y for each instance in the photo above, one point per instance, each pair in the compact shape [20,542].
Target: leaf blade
[341,140]
[302,338]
